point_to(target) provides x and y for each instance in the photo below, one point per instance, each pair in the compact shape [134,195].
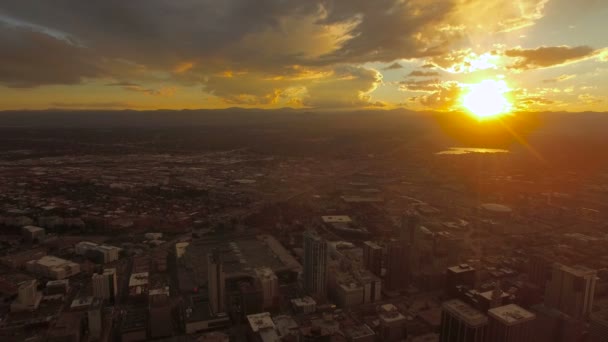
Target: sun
[487,99]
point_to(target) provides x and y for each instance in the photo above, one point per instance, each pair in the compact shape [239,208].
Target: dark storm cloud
[160,32]
[155,31]
[388,29]
[29,58]
[191,42]
[548,56]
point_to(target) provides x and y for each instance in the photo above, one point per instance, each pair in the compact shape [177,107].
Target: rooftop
[336,219]
[461,268]
[81,302]
[52,261]
[372,245]
[33,229]
[108,271]
[260,321]
[138,279]
[60,282]
[303,301]
[488,295]
[389,313]
[358,331]
[496,208]
[511,314]
[465,312]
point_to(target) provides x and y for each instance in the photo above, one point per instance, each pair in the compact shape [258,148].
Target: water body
[468,150]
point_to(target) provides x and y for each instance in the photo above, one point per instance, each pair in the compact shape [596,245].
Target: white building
[28,298]
[216,284]
[269,284]
[53,267]
[101,253]
[304,305]
[315,264]
[138,284]
[180,249]
[571,290]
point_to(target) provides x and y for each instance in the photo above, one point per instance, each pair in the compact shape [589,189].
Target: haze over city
[314,170]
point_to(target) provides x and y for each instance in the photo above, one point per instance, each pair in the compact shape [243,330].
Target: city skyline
[541,55]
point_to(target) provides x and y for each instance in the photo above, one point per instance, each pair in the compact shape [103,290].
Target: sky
[552,55]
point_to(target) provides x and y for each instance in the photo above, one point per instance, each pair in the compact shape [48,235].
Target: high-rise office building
[462,323]
[397,268]
[315,264]
[160,313]
[459,275]
[372,257]
[409,224]
[598,327]
[571,290]
[510,323]
[28,297]
[94,320]
[552,325]
[392,323]
[269,283]
[216,282]
[538,268]
[105,285]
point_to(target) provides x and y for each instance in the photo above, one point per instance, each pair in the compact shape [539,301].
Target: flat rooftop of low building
[138,279]
[303,301]
[83,302]
[33,229]
[488,295]
[358,331]
[53,261]
[60,282]
[461,268]
[260,321]
[336,219]
[465,312]
[389,313]
[511,314]
[372,245]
